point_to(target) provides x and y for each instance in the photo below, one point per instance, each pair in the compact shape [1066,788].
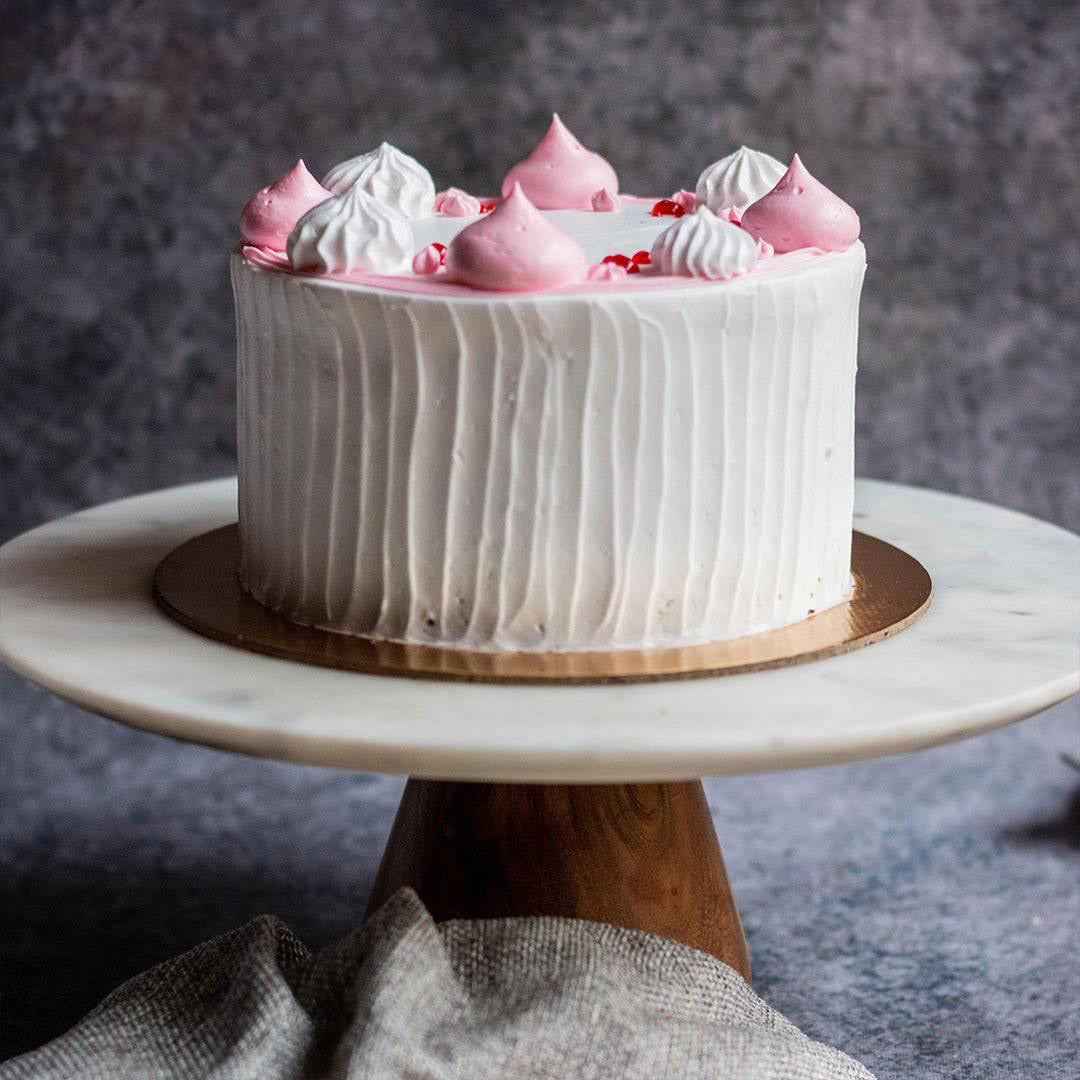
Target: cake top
[561,224]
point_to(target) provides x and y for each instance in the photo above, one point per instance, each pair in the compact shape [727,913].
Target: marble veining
[79,619]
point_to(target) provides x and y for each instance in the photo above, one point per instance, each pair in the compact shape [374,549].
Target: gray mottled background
[922,914]
[134,133]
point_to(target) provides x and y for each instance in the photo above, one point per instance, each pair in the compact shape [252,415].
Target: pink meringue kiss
[605,200]
[801,212]
[686,199]
[271,213]
[427,260]
[606,272]
[514,248]
[560,174]
[453,202]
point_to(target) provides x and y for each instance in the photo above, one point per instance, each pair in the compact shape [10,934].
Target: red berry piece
[633,268]
[667,208]
[642,258]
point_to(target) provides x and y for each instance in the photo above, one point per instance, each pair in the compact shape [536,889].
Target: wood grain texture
[643,856]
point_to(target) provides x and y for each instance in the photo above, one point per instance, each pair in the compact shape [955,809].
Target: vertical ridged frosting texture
[602,471]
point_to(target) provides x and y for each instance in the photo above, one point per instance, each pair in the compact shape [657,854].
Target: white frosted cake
[563,419]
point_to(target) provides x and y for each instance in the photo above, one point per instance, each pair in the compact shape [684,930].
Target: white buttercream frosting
[619,469]
[391,176]
[629,228]
[704,246]
[737,180]
[352,232]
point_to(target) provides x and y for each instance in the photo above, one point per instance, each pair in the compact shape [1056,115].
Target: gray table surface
[919,912]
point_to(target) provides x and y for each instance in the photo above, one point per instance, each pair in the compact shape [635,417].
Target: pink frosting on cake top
[271,213]
[801,212]
[560,174]
[515,248]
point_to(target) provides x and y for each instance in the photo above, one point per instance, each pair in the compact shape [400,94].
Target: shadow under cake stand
[581,800]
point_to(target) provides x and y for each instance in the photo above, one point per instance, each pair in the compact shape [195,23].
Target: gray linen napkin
[403,998]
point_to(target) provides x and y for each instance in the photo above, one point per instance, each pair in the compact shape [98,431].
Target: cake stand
[580,800]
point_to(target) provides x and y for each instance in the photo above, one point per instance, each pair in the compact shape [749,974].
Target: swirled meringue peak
[702,245]
[453,202]
[428,260]
[271,213]
[686,199]
[801,212]
[738,180]
[605,201]
[387,174]
[352,232]
[515,249]
[607,271]
[560,174]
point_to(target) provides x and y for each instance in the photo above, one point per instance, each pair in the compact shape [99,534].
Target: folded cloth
[401,997]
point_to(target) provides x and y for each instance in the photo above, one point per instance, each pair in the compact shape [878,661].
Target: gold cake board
[198,585]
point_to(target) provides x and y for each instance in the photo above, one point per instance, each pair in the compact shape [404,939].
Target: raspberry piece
[667,208]
[642,258]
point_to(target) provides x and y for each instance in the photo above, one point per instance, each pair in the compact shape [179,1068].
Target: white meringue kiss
[737,180]
[387,174]
[702,245]
[352,232]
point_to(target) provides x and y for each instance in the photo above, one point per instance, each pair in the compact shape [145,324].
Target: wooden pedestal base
[643,856]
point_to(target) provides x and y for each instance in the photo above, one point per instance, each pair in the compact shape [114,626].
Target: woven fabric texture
[401,997]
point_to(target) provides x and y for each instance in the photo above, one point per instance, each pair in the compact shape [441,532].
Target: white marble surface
[1001,642]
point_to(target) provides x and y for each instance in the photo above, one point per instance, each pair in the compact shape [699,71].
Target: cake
[562,418]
